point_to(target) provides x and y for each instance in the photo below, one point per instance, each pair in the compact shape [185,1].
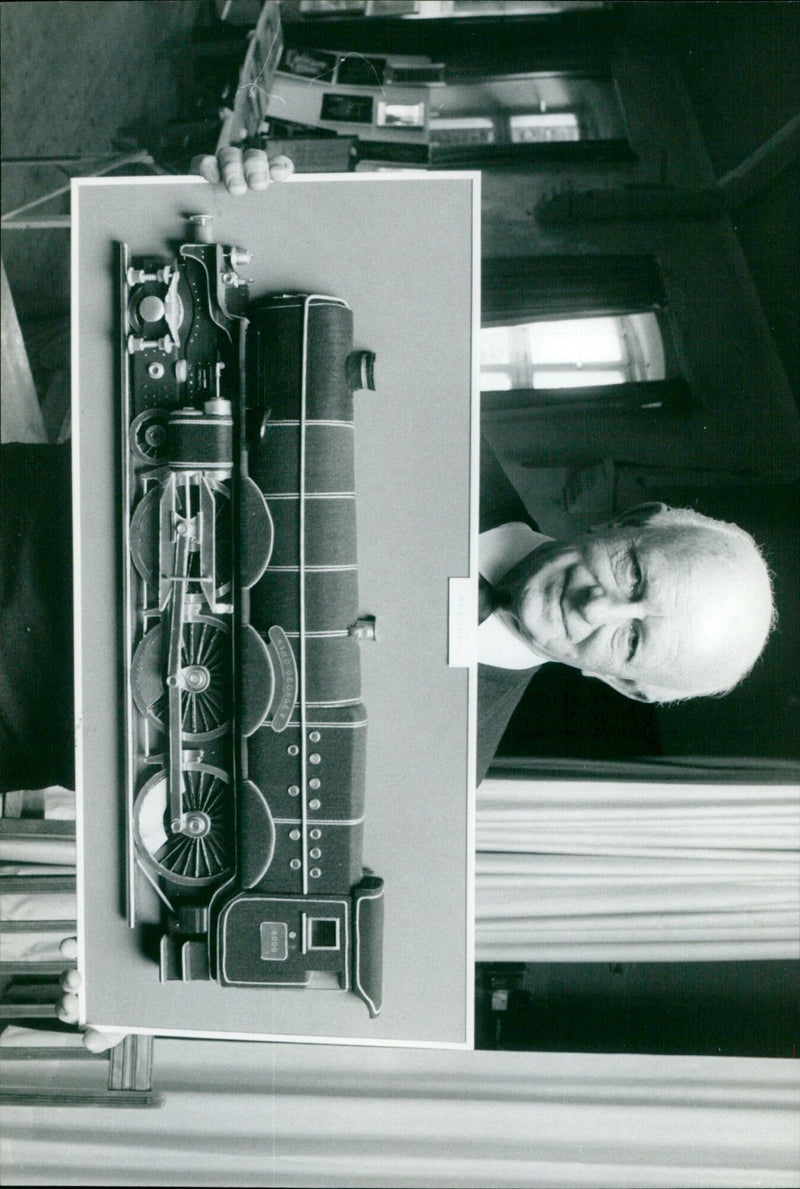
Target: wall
[728,1009]
[742,72]
[745,420]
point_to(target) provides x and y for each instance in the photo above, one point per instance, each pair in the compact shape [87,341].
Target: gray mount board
[404,253]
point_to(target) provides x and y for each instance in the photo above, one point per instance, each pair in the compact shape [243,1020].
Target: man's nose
[599,606]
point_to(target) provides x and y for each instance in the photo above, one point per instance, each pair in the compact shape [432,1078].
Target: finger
[207,167]
[256,169]
[232,170]
[67,1009]
[69,948]
[70,980]
[281,168]
[99,1042]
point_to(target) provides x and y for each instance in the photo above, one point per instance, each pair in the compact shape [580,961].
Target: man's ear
[635,517]
[624,686]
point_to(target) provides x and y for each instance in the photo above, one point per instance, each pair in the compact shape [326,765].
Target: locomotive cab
[283,941]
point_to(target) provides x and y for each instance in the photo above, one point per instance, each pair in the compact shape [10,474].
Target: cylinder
[196,442]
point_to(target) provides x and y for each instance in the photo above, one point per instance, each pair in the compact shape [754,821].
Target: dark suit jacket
[499,690]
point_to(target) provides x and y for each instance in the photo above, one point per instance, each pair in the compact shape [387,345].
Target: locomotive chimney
[203,228]
[360,370]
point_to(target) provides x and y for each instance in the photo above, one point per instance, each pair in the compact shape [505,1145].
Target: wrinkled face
[640,607]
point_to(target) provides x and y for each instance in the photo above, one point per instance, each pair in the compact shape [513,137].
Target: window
[462,130]
[542,127]
[323,933]
[347,109]
[401,115]
[572,353]
[525,116]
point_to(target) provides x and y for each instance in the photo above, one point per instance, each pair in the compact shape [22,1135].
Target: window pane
[577,378]
[645,346]
[572,353]
[576,340]
[406,115]
[495,382]
[458,130]
[495,345]
[527,129]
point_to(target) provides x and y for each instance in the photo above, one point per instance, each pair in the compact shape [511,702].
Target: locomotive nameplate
[402,254]
[274,941]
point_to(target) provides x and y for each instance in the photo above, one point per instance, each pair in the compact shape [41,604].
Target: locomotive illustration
[245,732]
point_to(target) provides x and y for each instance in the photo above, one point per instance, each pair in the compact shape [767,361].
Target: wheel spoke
[187,859]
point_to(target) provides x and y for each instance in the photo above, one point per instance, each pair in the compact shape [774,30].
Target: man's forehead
[688,598]
[688,558]
[671,539]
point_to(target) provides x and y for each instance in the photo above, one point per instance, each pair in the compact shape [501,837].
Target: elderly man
[663,604]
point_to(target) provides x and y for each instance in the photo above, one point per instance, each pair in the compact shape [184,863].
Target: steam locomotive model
[246,737]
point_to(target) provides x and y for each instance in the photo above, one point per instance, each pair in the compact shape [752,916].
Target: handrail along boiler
[246,737]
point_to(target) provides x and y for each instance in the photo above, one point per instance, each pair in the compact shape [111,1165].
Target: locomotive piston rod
[177,817]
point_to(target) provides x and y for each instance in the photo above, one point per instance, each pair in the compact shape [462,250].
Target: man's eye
[634,576]
[634,636]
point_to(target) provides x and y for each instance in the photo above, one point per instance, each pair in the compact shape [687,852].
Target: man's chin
[550,653]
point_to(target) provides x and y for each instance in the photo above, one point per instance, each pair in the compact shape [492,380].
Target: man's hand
[67,1007]
[242,171]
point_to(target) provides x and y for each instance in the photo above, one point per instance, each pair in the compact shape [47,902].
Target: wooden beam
[761,167]
[22,413]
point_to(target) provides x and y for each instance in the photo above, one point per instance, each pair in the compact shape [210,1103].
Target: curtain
[282,1115]
[538,155]
[685,769]
[37,875]
[522,288]
[596,871]
[636,397]
[246,1114]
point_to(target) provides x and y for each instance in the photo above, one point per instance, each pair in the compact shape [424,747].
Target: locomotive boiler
[245,731]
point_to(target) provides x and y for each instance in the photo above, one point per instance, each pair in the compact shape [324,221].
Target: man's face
[640,607]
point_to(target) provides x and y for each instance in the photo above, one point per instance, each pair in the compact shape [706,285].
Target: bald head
[663,604]
[729,591]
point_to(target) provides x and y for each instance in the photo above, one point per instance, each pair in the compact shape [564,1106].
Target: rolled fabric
[54,803]
[53,851]
[31,947]
[37,906]
[17,1036]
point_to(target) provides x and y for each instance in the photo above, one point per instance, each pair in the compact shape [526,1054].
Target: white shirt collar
[499,550]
